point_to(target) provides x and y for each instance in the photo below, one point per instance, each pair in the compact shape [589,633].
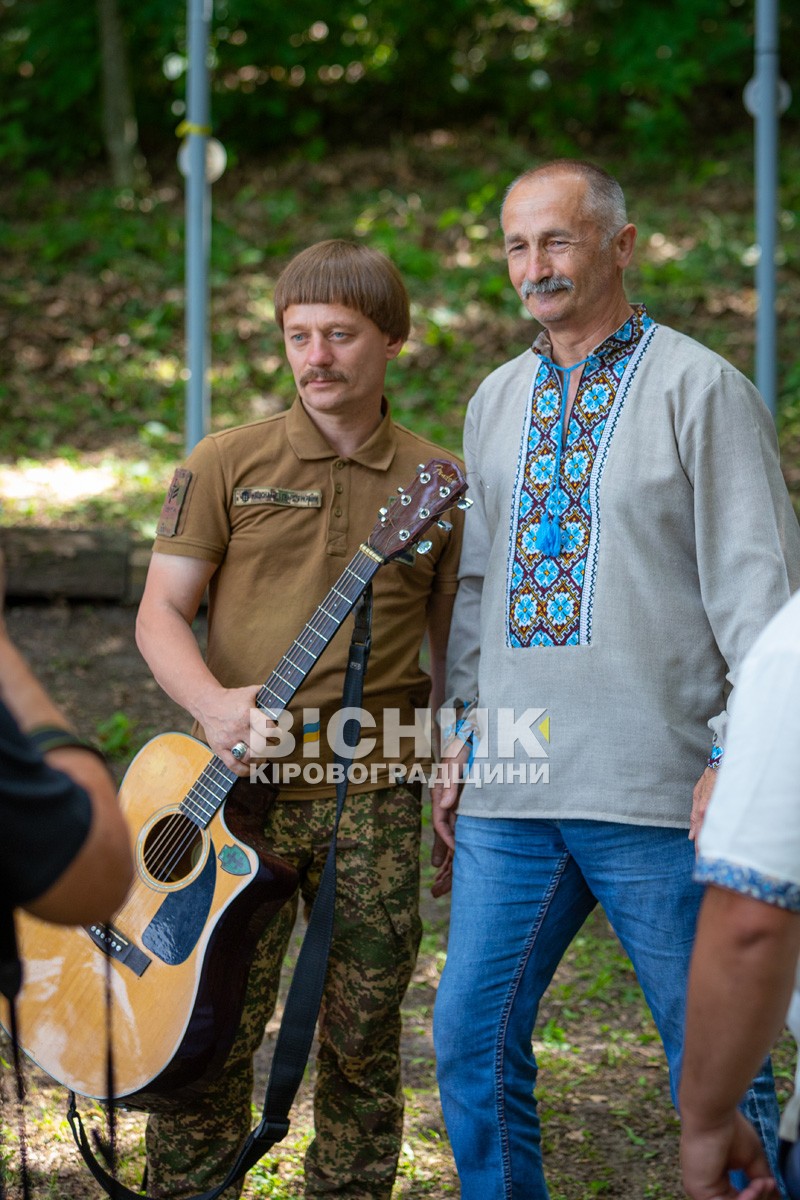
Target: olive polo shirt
[282,514]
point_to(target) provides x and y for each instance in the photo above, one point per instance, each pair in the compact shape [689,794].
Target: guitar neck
[438,486]
[279,690]
[209,791]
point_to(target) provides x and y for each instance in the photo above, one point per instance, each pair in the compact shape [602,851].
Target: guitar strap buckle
[270,1131]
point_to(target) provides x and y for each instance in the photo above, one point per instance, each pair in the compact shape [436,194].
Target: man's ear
[393,347]
[625,242]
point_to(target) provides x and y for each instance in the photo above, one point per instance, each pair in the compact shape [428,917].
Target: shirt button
[339,464]
[337,512]
[338,488]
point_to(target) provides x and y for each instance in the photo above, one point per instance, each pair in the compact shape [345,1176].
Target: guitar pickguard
[174,931]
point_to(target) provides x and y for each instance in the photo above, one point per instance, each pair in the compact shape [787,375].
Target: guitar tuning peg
[424,547]
[445,525]
[444,491]
[383,512]
[420,467]
[464,503]
[400,489]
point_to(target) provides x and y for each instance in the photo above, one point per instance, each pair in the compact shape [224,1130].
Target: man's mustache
[545,287]
[320,376]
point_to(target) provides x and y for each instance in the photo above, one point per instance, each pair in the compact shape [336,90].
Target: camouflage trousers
[358,1100]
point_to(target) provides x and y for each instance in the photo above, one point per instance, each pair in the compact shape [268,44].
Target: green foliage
[91,283]
[52,61]
[567,74]
[116,735]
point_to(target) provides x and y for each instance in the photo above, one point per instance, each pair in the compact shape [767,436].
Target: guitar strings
[178,833]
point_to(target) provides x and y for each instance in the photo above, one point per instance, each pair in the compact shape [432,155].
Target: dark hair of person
[356,276]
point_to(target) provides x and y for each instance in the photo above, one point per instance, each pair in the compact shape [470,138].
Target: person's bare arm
[22,693]
[742,972]
[172,595]
[440,612]
[95,883]
[701,798]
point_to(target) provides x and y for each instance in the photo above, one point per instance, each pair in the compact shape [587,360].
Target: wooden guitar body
[181,950]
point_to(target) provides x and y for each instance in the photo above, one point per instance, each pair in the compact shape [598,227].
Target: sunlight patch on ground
[56,481]
[109,491]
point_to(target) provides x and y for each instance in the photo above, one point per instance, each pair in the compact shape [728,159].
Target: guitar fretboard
[291,671]
[209,790]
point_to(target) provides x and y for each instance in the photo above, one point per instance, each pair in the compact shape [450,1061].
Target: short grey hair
[604,194]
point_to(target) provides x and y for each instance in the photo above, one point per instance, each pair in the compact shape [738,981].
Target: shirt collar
[630,330]
[309,444]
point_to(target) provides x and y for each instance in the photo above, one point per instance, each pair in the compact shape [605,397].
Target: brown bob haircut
[340,272]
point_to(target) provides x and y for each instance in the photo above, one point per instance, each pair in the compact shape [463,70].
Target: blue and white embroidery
[547,592]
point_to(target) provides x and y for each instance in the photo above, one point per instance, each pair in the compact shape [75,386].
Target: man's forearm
[740,983]
[22,693]
[170,649]
[440,611]
[94,884]
[166,639]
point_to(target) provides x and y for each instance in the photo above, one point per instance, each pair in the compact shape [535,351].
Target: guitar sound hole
[172,848]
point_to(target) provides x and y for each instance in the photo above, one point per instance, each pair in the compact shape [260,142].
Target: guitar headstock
[438,486]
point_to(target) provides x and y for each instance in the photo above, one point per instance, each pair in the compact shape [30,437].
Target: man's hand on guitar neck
[164,634]
[224,714]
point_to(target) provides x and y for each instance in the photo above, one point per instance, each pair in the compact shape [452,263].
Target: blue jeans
[521,891]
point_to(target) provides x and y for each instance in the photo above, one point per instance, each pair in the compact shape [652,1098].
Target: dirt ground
[609,1128]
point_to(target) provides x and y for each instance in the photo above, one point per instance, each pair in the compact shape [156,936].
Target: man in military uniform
[267,516]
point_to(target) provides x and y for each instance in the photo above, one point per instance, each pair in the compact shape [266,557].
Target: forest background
[398,124]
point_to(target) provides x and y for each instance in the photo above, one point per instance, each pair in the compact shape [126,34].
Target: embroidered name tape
[285,497]
[171,509]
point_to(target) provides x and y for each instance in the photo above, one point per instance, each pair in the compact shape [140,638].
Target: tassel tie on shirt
[548,537]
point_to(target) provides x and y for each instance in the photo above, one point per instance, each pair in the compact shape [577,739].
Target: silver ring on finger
[239,750]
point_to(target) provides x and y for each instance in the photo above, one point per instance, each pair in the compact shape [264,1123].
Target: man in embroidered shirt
[268,516]
[631,534]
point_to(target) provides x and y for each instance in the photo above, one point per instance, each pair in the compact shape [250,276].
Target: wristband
[466,734]
[54,737]
[715,757]
[464,718]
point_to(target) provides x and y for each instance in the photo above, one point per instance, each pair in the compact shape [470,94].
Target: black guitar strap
[299,1021]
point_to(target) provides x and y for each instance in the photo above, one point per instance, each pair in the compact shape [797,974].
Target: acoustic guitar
[179,950]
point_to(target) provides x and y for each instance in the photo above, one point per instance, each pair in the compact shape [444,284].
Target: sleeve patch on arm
[174,502]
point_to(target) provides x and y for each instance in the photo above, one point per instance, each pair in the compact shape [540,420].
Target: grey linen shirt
[693,547]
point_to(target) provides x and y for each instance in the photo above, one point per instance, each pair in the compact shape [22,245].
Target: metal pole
[198,225]
[766,168]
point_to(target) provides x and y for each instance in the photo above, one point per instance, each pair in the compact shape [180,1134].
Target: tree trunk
[119,118]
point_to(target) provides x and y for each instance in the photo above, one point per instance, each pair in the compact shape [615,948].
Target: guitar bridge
[109,939]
